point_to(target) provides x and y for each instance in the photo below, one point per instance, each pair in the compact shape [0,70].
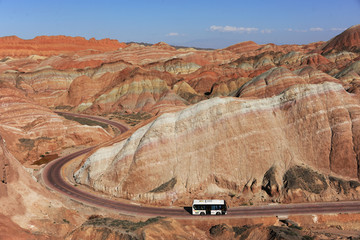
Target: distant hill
[175,46]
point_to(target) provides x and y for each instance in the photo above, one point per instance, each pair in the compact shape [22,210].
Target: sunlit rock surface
[211,148]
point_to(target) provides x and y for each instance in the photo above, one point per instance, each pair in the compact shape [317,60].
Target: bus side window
[216,207]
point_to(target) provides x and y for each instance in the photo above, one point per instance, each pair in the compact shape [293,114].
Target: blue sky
[201,23]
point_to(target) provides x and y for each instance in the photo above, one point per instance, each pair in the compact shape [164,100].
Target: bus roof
[208,201]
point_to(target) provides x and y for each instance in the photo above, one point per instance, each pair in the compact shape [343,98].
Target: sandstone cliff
[210,148]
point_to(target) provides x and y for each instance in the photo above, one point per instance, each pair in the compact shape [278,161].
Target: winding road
[53,179]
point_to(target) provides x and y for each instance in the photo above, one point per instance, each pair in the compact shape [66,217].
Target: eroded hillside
[249,123]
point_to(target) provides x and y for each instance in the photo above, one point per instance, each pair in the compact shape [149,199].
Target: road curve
[53,179]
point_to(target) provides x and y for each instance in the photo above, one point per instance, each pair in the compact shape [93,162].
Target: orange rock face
[276,80]
[348,40]
[290,110]
[248,46]
[159,77]
[31,130]
[53,45]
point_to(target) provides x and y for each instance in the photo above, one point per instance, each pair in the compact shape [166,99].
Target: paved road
[53,179]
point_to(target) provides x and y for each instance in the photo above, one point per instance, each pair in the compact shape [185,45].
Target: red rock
[53,45]
[349,40]
[293,116]
[163,45]
[135,89]
[11,231]
[277,80]
[313,76]
[314,59]
[269,83]
[32,130]
[244,47]
[28,210]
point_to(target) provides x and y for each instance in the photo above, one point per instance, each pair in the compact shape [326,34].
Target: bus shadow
[188,209]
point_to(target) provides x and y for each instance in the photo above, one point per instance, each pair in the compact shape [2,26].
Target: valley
[273,127]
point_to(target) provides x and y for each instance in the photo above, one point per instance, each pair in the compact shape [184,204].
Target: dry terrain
[250,123]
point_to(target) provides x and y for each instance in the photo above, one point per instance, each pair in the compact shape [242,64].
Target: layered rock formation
[53,45]
[32,130]
[183,75]
[153,228]
[276,80]
[349,40]
[209,149]
[286,128]
[293,228]
[28,210]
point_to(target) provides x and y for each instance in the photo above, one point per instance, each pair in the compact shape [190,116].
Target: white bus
[209,207]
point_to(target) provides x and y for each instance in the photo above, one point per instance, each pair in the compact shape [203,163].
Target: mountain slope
[348,40]
[210,149]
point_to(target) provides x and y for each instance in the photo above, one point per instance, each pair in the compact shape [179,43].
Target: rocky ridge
[31,130]
[207,150]
[349,40]
[187,75]
[293,110]
[13,46]
[28,210]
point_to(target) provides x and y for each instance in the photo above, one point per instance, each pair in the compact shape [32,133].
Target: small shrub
[307,237]
[231,195]
[240,230]
[296,227]
[94,217]
[123,224]
[165,186]
[85,121]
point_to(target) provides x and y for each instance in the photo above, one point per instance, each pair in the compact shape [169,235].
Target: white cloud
[296,30]
[337,29]
[233,29]
[266,31]
[316,29]
[172,34]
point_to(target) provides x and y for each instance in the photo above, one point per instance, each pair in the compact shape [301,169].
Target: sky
[197,23]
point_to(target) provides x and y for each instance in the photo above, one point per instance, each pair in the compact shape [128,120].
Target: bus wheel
[202,214]
[218,213]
